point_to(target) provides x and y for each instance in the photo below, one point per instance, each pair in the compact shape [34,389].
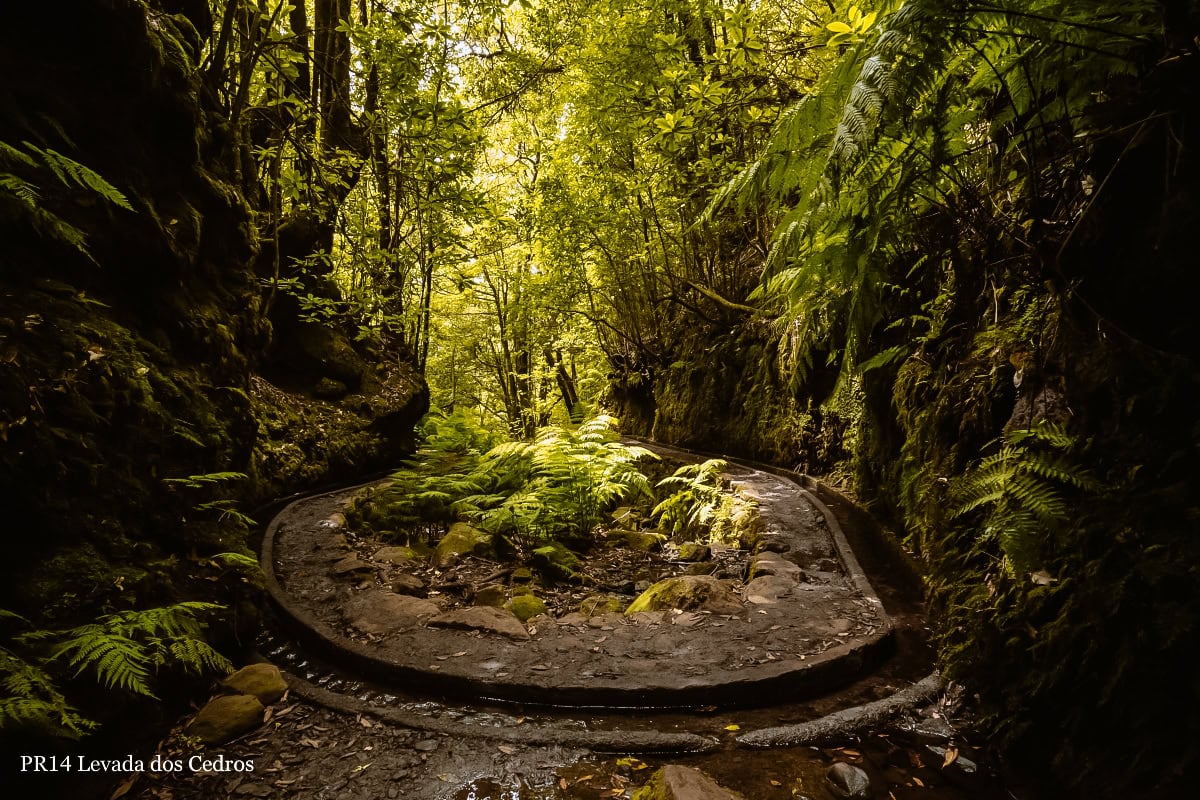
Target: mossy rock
[526,606]
[601,604]
[694,551]
[556,563]
[688,593]
[226,718]
[522,575]
[674,782]
[460,541]
[330,389]
[396,554]
[262,681]
[642,541]
[491,595]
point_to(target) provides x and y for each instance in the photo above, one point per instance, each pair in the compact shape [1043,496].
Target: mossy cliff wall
[132,363]
[725,393]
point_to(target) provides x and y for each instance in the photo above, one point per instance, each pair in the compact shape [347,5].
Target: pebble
[426,745]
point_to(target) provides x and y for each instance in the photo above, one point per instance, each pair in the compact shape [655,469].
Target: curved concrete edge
[525,733]
[806,484]
[822,672]
[838,725]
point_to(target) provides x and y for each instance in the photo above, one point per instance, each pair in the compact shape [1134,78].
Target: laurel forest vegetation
[938,251]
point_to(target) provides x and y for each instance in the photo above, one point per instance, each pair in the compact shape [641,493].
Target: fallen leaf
[562,783]
[459,654]
[507,749]
[306,742]
[951,756]
[361,767]
[734,727]
[776,783]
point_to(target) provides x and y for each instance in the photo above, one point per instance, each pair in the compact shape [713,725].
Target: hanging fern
[1021,488]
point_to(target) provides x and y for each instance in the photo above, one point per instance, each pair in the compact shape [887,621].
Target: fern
[1020,489]
[695,495]
[125,649]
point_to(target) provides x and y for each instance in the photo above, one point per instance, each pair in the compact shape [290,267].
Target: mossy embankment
[132,339]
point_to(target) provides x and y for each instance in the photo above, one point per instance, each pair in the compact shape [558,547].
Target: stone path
[808,620]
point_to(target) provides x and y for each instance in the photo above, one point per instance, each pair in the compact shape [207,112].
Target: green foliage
[696,492]
[557,485]
[1020,488]
[123,651]
[20,189]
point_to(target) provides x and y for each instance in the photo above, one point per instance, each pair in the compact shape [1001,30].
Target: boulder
[688,593]
[462,540]
[694,551]
[381,613]
[262,681]
[555,562]
[398,555]
[674,782]
[848,781]
[226,718]
[482,618]
[526,606]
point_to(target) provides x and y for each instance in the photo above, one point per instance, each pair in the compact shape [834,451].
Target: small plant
[1020,487]
[695,495]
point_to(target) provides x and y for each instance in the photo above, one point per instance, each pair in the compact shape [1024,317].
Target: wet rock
[462,540]
[351,566]
[768,589]
[674,782]
[525,607]
[482,618]
[848,781]
[262,681]
[380,613]
[398,555]
[694,551]
[769,563]
[491,595]
[226,718]
[688,593]
[408,584]
[555,562]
